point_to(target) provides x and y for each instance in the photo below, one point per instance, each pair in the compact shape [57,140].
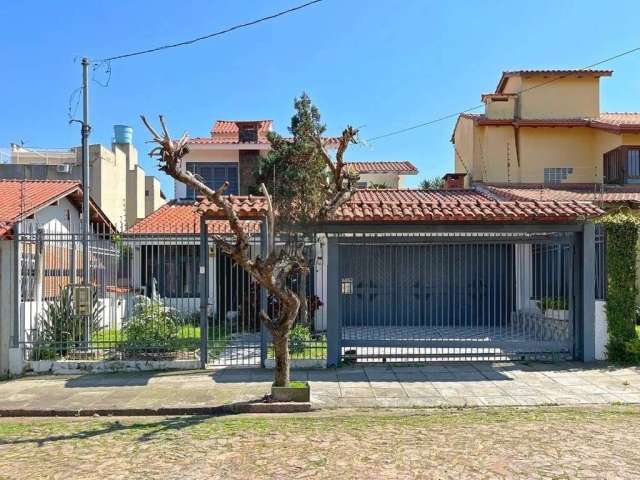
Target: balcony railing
[622,165]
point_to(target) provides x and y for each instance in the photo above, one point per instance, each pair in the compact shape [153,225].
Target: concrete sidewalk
[430,385]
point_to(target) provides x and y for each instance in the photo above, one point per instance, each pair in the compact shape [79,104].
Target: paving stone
[429,384]
[420,390]
[499,401]
[389,392]
[361,392]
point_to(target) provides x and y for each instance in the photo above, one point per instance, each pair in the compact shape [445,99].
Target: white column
[524,277]
[320,272]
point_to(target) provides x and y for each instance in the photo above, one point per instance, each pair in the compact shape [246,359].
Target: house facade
[231,153]
[119,185]
[546,127]
[31,211]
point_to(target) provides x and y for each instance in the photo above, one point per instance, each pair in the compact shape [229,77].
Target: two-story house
[232,150]
[543,131]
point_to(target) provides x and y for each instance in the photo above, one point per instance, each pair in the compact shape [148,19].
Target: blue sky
[383,65]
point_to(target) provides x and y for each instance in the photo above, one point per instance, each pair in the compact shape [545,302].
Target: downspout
[516,132]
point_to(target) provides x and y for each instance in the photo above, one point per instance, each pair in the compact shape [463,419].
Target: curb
[275,407]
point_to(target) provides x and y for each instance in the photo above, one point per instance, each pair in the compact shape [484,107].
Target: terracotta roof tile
[616,121]
[584,192]
[182,218]
[21,198]
[379,206]
[417,206]
[403,168]
[602,73]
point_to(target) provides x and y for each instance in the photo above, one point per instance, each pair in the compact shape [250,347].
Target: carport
[457,275]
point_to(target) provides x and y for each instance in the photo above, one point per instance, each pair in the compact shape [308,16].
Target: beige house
[546,127]
[119,185]
[232,150]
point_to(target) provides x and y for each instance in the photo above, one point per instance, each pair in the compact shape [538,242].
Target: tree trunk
[304,309]
[281,348]
[286,317]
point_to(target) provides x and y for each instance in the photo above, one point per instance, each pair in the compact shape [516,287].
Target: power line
[476,107]
[211,35]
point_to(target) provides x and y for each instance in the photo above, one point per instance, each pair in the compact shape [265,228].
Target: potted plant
[296,391]
[556,308]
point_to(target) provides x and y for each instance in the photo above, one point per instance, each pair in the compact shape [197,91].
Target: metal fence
[146,300]
[400,298]
[456,297]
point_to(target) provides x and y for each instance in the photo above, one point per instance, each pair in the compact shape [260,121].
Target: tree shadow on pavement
[149,430]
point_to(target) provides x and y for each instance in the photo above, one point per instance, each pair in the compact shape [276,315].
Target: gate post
[204,291]
[264,299]
[588,293]
[334,323]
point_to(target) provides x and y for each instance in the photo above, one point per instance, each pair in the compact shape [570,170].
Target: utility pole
[86,129]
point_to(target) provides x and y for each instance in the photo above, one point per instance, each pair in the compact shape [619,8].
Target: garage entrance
[456,297]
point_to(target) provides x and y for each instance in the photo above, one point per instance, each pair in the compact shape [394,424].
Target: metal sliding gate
[456,297]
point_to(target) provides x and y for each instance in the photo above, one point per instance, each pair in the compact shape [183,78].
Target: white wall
[61,217]
[391,180]
[602,335]
[320,272]
[6,302]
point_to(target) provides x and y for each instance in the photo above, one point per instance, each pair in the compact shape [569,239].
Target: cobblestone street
[545,442]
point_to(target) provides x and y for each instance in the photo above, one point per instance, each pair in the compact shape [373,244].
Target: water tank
[122,134]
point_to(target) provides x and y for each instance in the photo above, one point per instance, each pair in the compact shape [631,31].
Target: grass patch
[297,384]
[314,350]
[214,427]
[188,338]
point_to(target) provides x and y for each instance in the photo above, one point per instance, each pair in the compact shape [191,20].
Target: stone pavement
[428,385]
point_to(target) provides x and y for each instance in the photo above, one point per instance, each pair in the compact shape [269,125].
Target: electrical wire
[476,107]
[211,35]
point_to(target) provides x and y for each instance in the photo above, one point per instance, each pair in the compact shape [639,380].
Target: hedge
[622,243]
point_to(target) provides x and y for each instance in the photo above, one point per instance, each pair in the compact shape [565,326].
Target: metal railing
[146,293]
[399,297]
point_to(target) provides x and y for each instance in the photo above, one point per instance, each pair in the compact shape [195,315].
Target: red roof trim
[549,73]
[403,168]
[615,122]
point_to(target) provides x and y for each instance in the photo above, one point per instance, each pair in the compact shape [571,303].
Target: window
[146,193]
[214,175]
[633,163]
[362,184]
[555,175]
[172,270]
[248,134]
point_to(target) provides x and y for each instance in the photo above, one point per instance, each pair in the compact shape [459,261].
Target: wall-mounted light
[346,286]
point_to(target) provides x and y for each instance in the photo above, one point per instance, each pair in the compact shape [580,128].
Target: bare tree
[281,259]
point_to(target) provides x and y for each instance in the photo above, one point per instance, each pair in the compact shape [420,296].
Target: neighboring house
[546,127]
[51,208]
[232,151]
[383,174]
[118,184]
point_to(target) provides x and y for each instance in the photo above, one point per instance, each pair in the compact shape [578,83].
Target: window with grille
[555,175]
[633,163]
[214,175]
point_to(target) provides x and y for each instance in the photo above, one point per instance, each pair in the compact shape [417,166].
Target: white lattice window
[555,175]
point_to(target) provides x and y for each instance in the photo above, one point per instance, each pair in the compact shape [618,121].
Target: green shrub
[152,326]
[622,241]
[554,303]
[299,336]
[60,330]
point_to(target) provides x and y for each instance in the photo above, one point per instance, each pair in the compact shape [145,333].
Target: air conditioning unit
[65,168]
